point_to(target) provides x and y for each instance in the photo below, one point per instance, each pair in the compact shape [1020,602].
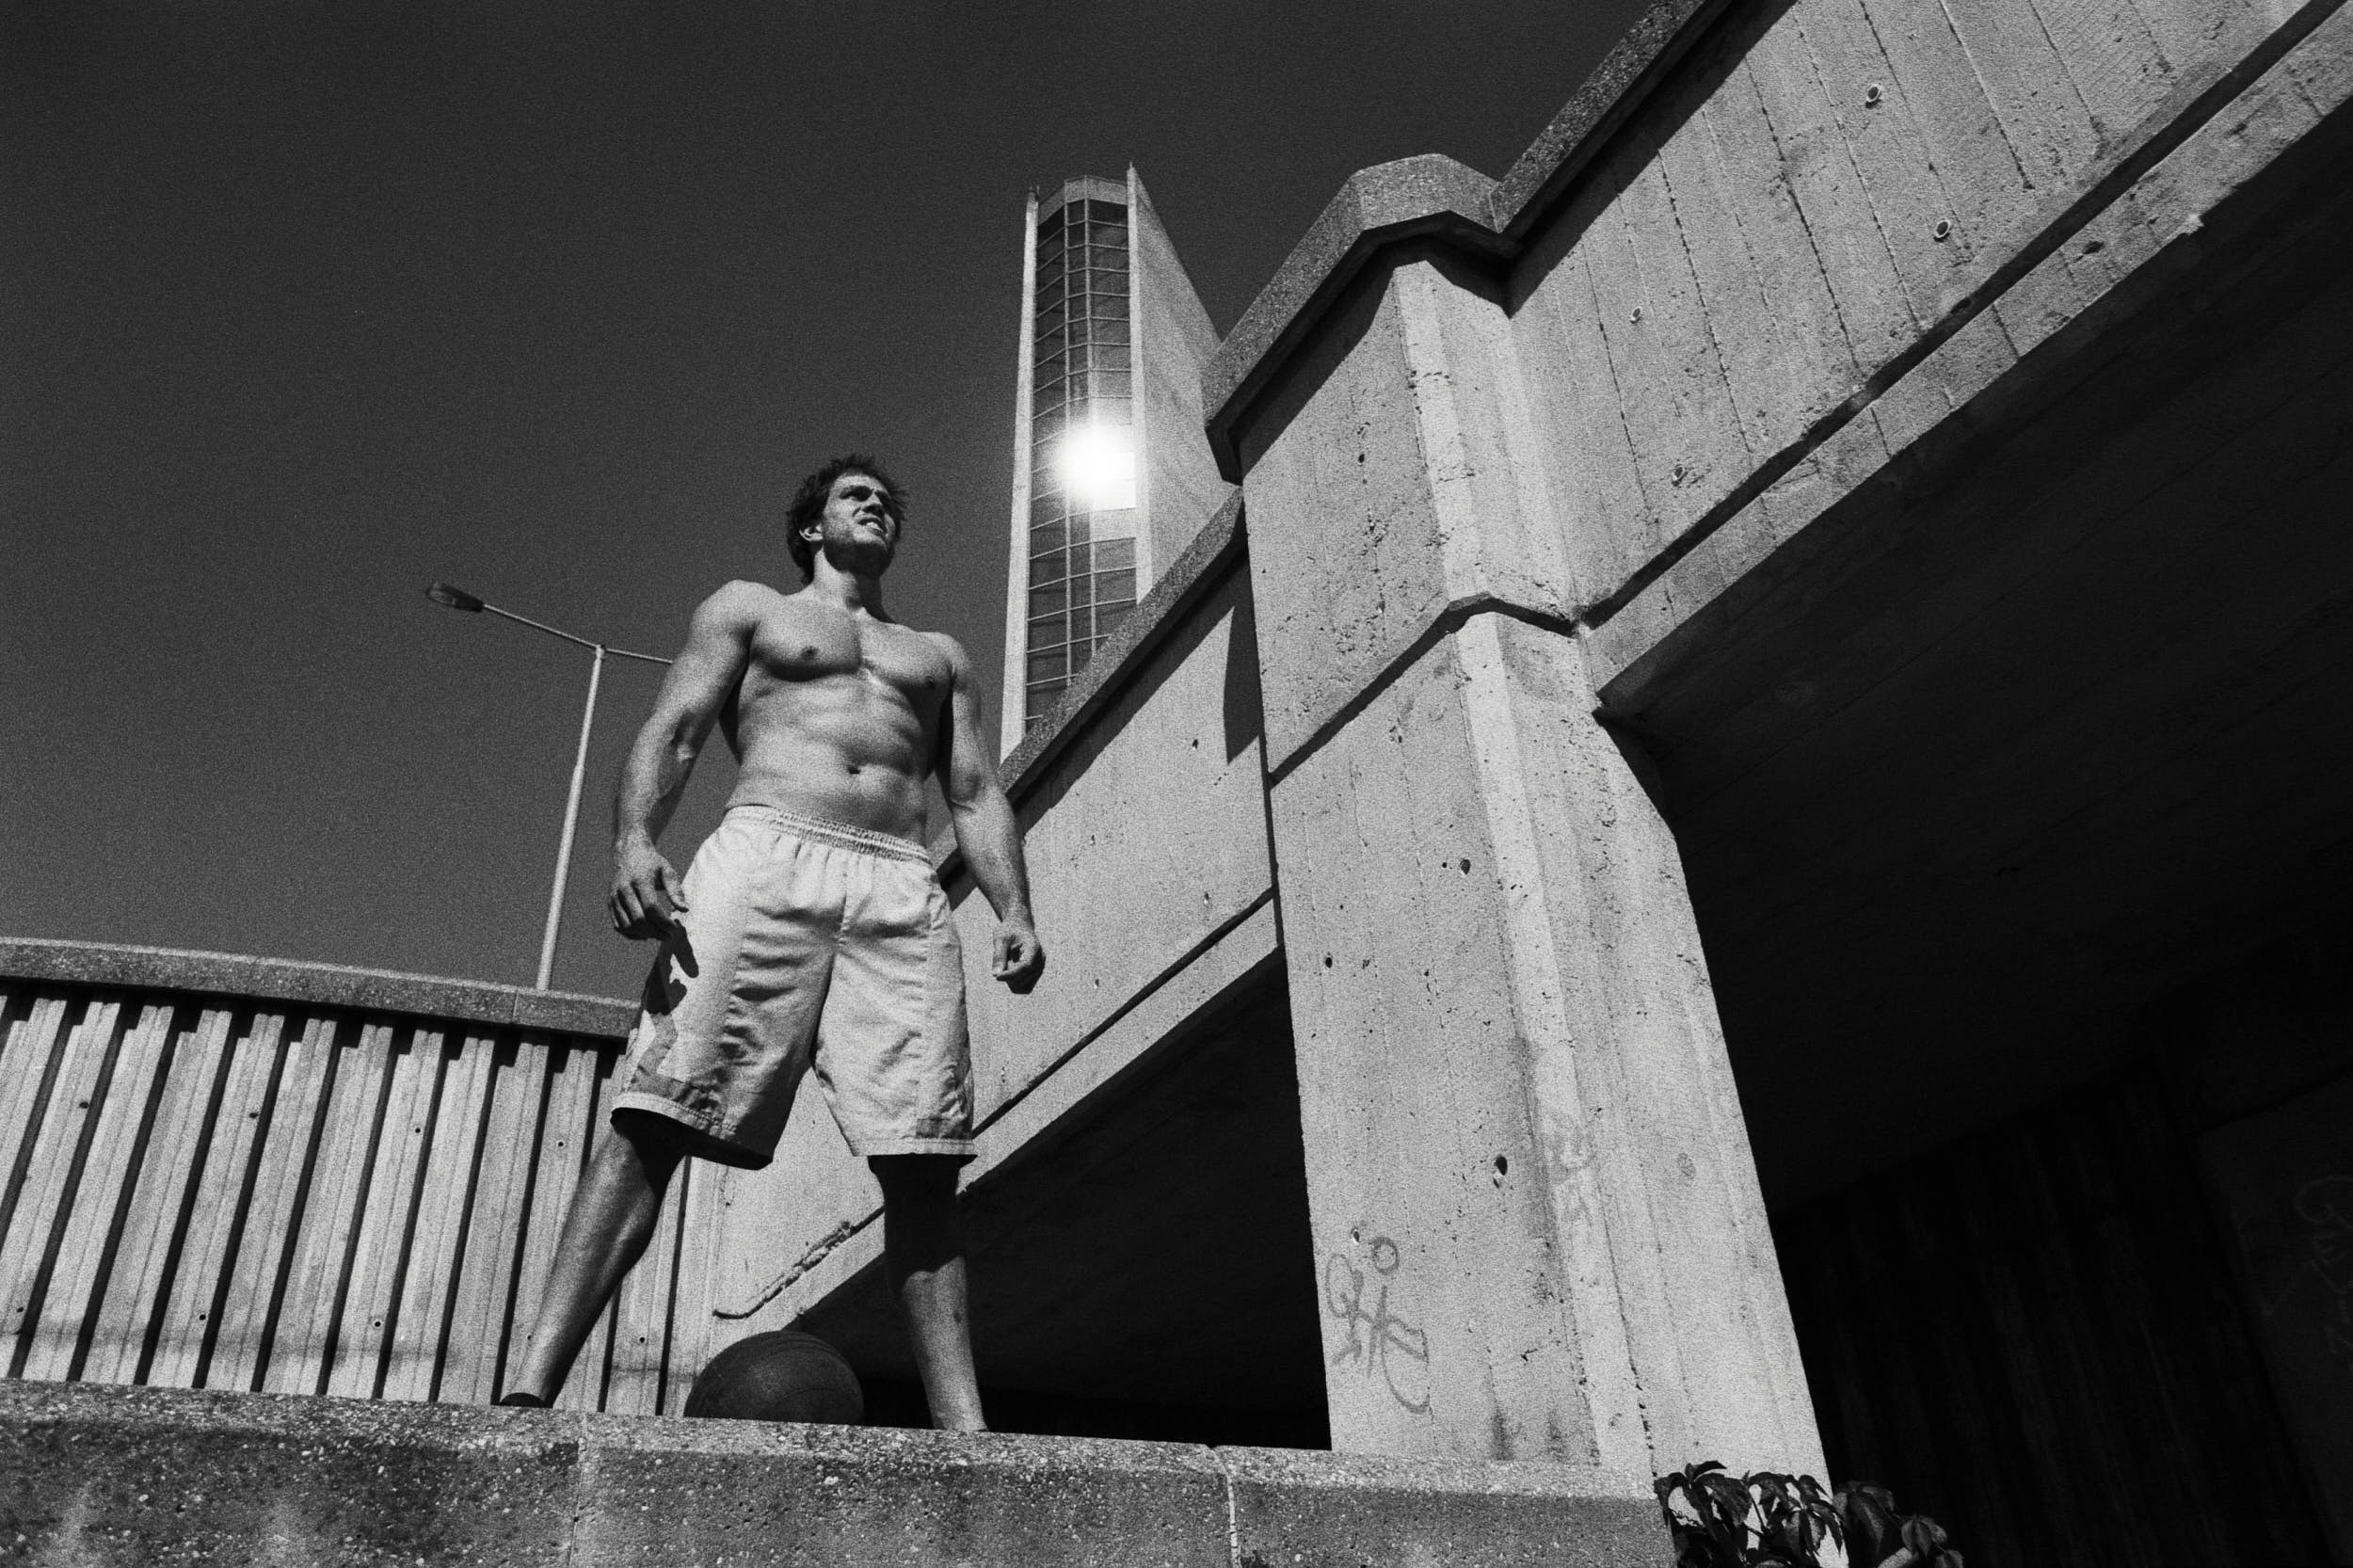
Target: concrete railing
[237,1174]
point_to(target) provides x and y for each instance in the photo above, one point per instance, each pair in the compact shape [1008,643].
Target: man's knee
[916,1178]
[642,1140]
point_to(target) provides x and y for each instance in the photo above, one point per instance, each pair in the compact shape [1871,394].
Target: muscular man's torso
[838,717]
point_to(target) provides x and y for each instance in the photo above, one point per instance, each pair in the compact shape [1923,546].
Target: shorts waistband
[840,835]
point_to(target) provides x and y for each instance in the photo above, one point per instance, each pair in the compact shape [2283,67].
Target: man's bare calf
[923,1251]
[612,1218]
[619,1201]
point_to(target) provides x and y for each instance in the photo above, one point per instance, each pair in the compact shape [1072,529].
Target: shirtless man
[809,931]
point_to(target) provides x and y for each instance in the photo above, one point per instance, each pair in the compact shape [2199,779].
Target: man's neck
[852,593]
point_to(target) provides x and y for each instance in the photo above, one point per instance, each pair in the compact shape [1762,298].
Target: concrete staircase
[92,1476]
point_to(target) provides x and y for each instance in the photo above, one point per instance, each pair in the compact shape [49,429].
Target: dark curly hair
[809,504]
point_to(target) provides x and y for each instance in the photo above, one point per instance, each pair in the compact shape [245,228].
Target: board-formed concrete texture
[1630,545]
[113,1478]
[1576,1266]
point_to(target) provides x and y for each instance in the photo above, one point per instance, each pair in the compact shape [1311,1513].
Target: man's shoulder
[948,646]
[742,600]
[744,590]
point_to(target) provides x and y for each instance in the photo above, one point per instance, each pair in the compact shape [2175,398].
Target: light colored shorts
[807,944]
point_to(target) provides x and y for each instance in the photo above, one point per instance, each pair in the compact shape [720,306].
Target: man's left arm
[986,831]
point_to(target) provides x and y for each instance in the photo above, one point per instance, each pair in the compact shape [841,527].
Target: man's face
[860,527]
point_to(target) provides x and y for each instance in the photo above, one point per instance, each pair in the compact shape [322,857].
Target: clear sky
[303,306]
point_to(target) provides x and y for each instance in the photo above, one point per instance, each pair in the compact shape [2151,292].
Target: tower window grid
[1082,561]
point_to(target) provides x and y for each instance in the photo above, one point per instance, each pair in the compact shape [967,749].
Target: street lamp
[458,598]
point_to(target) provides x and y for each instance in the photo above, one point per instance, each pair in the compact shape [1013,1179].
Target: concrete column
[1537,1227]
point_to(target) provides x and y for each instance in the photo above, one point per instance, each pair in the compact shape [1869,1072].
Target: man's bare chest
[814,650]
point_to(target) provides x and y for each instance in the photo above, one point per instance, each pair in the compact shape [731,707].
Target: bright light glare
[1098,468]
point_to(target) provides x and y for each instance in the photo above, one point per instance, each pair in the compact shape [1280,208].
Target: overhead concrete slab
[2043,716]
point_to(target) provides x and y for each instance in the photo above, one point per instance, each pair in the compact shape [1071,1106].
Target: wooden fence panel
[59,1318]
[422,1312]
[276,1191]
[25,1071]
[693,1329]
[51,1156]
[199,1276]
[134,1292]
[641,1335]
[255,1294]
[488,1275]
[364,1318]
[330,1231]
[570,1102]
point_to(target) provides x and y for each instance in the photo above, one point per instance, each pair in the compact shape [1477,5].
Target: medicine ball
[783,1375]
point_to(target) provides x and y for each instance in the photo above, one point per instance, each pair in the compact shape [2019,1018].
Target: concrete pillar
[1537,1227]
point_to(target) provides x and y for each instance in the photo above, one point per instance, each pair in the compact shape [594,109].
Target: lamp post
[458,598]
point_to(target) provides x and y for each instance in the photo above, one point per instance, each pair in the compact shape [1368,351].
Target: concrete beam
[1536,1222]
[1536,1226]
[1393,499]
[136,1475]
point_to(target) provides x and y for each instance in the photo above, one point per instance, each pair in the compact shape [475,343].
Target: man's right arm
[647,894]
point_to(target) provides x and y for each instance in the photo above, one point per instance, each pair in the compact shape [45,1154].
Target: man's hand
[1020,957]
[648,898]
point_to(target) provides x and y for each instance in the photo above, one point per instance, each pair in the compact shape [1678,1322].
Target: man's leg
[611,1220]
[924,1250]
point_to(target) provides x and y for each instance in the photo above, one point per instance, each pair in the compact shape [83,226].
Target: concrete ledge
[132,1476]
[104,964]
[1392,204]
[1379,207]
[1319,1510]
[1567,147]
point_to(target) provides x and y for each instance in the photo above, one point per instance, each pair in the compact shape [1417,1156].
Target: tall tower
[1113,475]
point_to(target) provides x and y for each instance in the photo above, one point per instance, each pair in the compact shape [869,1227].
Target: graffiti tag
[1382,1343]
[2327,1207]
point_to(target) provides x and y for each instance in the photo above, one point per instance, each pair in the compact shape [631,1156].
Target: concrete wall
[1524,1156]
[1513,451]
[1818,188]
[1178,486]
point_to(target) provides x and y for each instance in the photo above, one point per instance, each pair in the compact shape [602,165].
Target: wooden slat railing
[231,1173]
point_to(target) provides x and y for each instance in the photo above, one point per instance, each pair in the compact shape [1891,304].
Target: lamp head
[457,599]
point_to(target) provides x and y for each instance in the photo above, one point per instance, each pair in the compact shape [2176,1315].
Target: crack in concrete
[822,1248]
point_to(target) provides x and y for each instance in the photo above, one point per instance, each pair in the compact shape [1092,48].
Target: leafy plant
[1766,1520]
